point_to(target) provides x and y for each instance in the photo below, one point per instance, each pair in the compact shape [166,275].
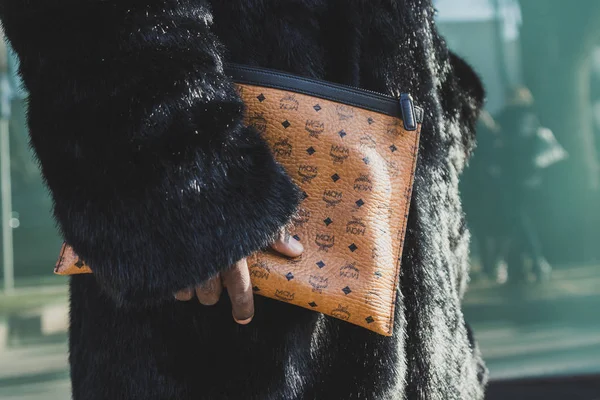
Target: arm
[156,182]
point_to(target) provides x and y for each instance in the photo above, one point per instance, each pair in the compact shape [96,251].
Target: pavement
[532,330]
[33,344]
[539,330]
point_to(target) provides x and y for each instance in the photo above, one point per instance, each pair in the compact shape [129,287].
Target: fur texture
[158,186]
[155,182]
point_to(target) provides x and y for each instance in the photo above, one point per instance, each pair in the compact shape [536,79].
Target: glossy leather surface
[356,168]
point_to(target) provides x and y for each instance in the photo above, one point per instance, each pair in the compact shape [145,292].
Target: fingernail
[183,295]
[243,321]
[296,246]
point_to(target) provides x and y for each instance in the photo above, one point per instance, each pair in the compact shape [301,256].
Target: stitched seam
[404,224]
[320,82]
[353,91]
[418,110]
[60,258]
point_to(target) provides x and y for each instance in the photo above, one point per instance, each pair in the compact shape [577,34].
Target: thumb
[287,245]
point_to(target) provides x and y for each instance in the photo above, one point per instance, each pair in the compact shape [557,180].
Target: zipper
[402,107]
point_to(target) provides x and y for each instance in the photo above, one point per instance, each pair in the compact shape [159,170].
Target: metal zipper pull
[408,112]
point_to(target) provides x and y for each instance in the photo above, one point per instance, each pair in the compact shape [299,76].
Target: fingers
[238,284]
[184,295]
[287,245]
[239,287]
[210,292]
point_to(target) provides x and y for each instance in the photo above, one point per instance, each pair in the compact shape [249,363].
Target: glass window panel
[535,287]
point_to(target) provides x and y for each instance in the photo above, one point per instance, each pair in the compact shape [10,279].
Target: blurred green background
[535,312]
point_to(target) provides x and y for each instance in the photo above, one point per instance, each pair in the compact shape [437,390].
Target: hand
[237,282]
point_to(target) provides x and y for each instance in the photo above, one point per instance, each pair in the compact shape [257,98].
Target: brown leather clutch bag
[353,153]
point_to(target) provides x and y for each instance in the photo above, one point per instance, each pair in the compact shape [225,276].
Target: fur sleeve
[156,182]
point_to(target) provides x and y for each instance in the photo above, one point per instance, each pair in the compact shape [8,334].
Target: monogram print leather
[356,169]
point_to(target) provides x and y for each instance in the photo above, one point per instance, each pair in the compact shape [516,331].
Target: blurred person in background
[514,150]
[530,149]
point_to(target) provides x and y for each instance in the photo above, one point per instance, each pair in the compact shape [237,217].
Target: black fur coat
[158,185]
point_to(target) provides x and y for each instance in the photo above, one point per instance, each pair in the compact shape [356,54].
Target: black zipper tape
[402,108]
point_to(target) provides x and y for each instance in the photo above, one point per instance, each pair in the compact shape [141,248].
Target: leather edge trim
[406,210]
[372,101]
